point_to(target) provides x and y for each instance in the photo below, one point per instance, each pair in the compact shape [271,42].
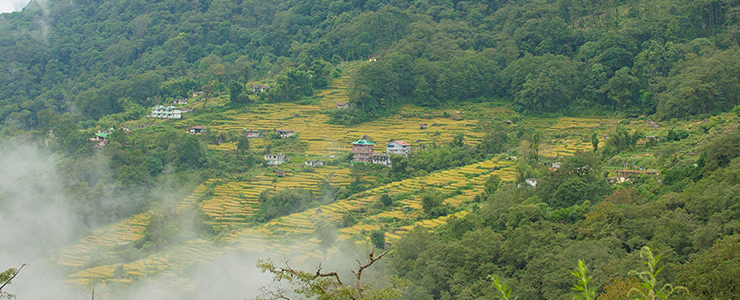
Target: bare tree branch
[330,274]
[373,259]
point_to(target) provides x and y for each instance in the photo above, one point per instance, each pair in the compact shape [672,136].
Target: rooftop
[402,143]
[363,142]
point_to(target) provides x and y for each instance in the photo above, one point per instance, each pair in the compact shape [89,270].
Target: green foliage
[504,289]
[621,140]
[527,234]
[282,203]
[178,88]
[492,184]
[676,135]
[192,154]
[545,58]
[595,142]
[327,235]
[237,93]
[377,238]
[535,145]
[495,141]
[701,85]
[386,200]
[291,86]
[713,273]
[583,280]
[649,287]
[349,218]
[430,200]
[721,151]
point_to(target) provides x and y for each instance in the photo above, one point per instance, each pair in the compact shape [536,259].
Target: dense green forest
[532,237]
[91,58]
[71,68]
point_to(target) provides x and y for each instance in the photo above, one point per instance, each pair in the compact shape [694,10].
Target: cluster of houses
[363,151]
[252,134]
[280,158]
[621,176]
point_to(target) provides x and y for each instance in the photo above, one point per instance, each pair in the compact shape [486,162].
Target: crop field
[172,260]
[464,183]
[325,139]
[566,135]
[98,243]
[310,123]
[232,202]
[290,234]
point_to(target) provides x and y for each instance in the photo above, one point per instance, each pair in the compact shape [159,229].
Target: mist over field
[38,221]
[35,220]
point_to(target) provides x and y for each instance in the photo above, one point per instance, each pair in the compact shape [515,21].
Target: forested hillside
[542,132]
[95,58]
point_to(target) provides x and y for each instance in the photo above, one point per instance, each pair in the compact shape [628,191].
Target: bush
[676,135]
[386,200]
[377,237]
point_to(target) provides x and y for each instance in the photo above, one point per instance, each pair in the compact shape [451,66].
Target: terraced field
[464,183]
[100,242]
[228,204]
[289,234]
[571,134]
[232,202]
[323,139]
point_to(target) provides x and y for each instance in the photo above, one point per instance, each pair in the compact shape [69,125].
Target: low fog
[37,222]
[34,218]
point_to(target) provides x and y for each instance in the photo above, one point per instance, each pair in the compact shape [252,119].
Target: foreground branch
[13,274]
[373,259]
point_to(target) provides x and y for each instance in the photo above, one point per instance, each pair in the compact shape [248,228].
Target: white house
[166,112]
[197,129]
[398,147]
[380,158]
[275,159]
[532,181]
[314,163]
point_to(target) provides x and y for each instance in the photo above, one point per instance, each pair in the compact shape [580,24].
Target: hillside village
[420,150]
[231,202]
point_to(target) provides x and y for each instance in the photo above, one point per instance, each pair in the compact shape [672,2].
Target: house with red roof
[398,147]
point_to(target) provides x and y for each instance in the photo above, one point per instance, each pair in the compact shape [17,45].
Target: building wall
[362,152]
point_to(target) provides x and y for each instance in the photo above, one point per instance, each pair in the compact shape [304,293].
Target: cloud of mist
[34,218]
[37,222]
